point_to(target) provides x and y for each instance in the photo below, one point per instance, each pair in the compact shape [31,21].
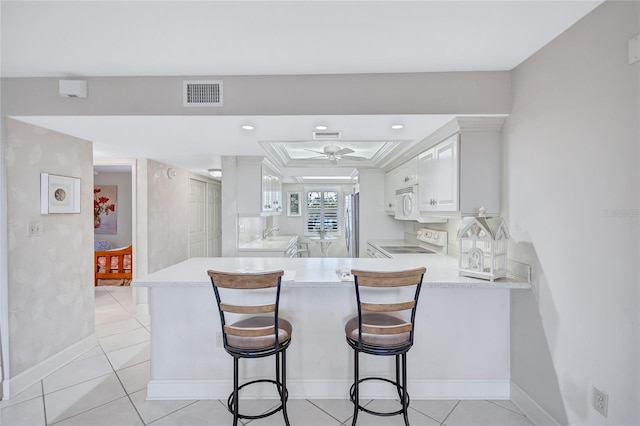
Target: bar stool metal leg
[356,382]
[236,410]
[405,399]
[283,393]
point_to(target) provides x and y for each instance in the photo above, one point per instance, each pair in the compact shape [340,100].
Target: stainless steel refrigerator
[351,227]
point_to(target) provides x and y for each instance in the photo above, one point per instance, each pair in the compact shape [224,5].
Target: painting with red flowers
[105,218]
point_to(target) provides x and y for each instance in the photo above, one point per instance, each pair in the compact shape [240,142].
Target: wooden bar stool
[381,329]
[258,333]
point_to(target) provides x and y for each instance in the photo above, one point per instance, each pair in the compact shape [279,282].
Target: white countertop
[276,243]
[442,271]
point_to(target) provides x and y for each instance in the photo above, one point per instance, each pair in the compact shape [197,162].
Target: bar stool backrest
[402,302]
[247,281]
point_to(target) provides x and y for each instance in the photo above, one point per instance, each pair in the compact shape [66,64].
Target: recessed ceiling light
[397,126]
[247,127]
[321,127]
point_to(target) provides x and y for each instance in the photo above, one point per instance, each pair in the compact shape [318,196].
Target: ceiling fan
[334,153]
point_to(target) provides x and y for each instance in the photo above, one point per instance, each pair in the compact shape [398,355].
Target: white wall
[50,277]
[375,224]
[572,192]
[122,237]
[167,216]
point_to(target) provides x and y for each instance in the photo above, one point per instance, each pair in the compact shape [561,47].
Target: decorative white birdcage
[483,247]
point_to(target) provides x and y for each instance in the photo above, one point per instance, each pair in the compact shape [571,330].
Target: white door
[197,218]
[214,221]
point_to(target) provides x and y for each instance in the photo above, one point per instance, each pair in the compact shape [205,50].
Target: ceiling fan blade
[313,150]
[344,151]
[319,157]
[353,157]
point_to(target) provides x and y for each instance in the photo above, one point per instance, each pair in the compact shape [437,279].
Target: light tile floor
[107,386]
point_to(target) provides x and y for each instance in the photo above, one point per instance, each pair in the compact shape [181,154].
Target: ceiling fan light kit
[334,153]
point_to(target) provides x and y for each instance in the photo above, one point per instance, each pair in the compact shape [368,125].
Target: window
[322,212]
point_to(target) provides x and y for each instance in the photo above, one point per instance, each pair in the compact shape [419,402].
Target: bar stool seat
[258,332]
[285,330]
[381,329]
[379,320]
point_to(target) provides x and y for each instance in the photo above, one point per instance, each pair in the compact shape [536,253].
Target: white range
[427,241]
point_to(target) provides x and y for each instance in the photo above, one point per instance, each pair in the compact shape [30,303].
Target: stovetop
[406,250]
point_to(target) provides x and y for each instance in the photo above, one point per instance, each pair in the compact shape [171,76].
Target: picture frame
[105,211]
[294,204]
[59,194]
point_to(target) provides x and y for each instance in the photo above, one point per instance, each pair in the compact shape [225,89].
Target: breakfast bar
[461,348]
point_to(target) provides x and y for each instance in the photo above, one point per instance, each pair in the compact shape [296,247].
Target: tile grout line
[168,414]
[86,411]
[505,408]
[125,390]
[448,414]
[324,411]
[75,384]
[44,403]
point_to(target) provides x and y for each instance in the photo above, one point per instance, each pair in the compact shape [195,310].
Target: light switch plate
[34,229]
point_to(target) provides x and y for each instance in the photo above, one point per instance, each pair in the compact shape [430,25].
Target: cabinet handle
[406,178]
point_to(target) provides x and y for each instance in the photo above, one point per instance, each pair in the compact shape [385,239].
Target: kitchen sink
[279,238]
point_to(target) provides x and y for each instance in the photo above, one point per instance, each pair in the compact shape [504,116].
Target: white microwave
[407,203]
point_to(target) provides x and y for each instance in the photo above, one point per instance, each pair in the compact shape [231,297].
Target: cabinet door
[277,194]
[446,179]
[390,191]
[426,176]
[408,173]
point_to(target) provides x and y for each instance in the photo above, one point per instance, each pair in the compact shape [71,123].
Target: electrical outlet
[219,339]
[600,401]
[34,229]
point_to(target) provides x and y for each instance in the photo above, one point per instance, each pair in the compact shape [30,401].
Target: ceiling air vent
[326,135]
[202,93]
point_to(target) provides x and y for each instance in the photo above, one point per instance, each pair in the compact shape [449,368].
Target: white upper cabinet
[259,187]
[438,171]
[390,179]
[407,174]
[461,173]
[403,176]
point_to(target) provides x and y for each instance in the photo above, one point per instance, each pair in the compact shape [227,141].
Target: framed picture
[59,194]
[105,214]
[293,204]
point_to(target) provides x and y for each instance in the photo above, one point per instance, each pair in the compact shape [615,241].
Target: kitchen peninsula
[461,346]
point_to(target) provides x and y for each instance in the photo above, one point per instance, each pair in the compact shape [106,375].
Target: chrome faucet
[268,232]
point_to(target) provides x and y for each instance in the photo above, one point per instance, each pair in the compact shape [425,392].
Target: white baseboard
[533,411]
[22,381]
[142,309]
[330,389]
